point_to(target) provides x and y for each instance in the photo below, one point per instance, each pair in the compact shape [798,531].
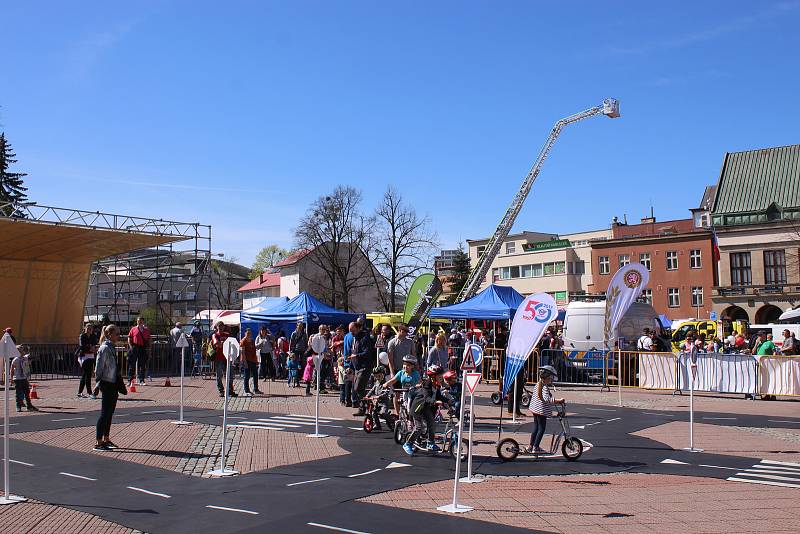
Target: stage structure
[46,258]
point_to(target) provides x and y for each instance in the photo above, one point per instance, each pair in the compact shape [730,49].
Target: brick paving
[781,445]
[613,503]
[34,517]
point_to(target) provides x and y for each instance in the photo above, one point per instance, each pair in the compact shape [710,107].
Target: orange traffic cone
[167,383]
[34,394]
[132,389]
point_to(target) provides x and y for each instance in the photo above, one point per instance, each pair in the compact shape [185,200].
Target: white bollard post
[690,448]
[454,507]
[469,479]
[316,434]
[223,471]
[180,420]
[8,350]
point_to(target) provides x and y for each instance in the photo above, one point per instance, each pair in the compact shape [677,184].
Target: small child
[293,372]
[376,386]
[21,373]
[308,374]
[542,407]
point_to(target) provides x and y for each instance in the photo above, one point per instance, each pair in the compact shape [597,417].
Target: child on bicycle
[542,407]
[451,389]
[405,378]
[425,400]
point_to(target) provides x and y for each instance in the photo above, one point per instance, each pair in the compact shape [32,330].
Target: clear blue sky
[238,114]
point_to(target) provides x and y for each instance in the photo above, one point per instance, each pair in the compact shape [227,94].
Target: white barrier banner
[720,373]
[657,370]
[780,375]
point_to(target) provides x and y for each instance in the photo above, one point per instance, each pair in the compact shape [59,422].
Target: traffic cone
[167,383]
[34,394]
[132,389]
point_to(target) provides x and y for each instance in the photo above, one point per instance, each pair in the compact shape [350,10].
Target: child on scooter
[542,407]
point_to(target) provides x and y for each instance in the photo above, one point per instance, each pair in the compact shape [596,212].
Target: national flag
[715,245]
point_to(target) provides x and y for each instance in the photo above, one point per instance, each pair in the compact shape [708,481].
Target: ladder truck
[609,108]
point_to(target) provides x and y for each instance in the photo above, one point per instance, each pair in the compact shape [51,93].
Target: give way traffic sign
[472,380]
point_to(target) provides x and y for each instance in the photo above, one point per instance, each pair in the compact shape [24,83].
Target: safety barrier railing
[588,368]
[779,375]
[719,373]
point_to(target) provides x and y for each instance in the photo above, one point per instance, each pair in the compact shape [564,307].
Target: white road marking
[225,508]
[772,471]
[579,427]
[364,473]
[19,462]
[67,419]
[765,482]
[312,417]
[783,421]
[615,419]
[155,493]
[259,426]
[775,462]
[355,428]
[288,422]
[395,465]
[674,462]
[158,411]
[659,414]
[78,476]
[281,424]
[720,467]
[337,529]
[307,481]
[773,467]
[768,477]
[719,418]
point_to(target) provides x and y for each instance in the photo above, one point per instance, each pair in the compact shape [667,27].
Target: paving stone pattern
[34,517]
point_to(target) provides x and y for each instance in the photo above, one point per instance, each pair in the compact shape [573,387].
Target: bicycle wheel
[496,398]
[526,400]
[368,424]
[464,448]
[572,448]
[508,449]
[399,432]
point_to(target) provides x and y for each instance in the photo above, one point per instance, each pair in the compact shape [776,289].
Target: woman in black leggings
[86,360]
[107,379]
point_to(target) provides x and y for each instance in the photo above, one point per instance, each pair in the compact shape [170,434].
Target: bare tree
[335,233]
[405,245]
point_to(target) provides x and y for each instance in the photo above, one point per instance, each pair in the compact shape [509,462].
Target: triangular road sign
[468,363]
[182,342]
[472,380]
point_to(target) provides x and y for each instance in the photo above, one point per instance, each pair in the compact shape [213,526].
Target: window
[527,271]
[163,295]
[774,267]
[506,273]
[605,265]
[548,269]
[705,221]
[644,259]
[672,260]
[695,259]
[481,249]
[104,293]
[136,296]
[191,295]
[578,267]
[495,274]
[537,269]
[740,269]
[647,296]
[624,259]
[697,296]
[673,297]
[560,267]
[511,247]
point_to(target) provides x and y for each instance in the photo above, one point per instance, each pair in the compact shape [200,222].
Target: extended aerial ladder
[609,108]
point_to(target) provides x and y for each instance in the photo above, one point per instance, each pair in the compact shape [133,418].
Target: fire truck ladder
[609,108]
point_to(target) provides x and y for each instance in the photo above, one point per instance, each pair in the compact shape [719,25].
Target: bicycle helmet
[410,359]
[547,370]
[434,370]
[450,376]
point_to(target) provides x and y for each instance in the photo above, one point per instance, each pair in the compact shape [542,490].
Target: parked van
[775,329]
[584,325]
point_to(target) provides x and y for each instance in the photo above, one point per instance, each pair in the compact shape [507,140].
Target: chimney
[651,219]
[261,278]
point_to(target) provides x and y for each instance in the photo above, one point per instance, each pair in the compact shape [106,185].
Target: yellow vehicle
[709,328]
[394,320]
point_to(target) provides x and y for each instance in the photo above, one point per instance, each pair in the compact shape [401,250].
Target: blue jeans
[539,425]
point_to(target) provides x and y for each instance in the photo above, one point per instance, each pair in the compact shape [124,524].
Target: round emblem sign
[632,278]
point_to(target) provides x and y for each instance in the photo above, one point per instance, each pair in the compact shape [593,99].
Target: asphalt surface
[324,492]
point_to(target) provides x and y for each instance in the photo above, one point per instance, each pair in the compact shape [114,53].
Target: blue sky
[239,114]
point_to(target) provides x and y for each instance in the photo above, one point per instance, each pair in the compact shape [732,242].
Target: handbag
[121,389]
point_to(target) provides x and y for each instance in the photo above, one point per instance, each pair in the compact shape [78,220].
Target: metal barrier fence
[54,361]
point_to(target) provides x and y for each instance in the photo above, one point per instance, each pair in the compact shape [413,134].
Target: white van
[584,325]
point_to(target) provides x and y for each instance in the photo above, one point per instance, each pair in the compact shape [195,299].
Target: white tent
[790,314]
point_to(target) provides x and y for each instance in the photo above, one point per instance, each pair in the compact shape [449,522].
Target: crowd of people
[760,343]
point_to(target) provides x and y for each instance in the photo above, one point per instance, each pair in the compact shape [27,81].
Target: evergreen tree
[11,188]
[461,270]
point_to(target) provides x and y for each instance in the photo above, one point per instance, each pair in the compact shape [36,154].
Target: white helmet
[383,357]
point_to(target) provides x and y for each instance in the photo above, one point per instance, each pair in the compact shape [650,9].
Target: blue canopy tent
[303,308]
[495,303]
[266,303]
[665,322]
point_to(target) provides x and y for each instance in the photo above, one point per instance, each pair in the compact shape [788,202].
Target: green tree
[12,190]
[266,259]
[461,270]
